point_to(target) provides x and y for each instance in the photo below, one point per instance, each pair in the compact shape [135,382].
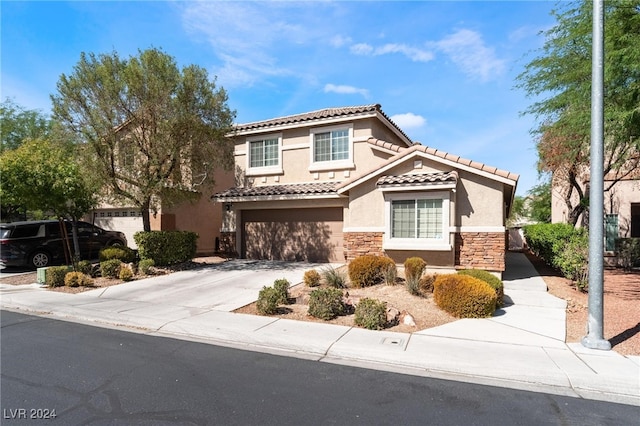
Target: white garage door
[123,220]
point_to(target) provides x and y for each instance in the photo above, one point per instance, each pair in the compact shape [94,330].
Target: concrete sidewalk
[521,346]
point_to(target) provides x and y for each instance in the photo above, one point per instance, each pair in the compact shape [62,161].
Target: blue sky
[444,71]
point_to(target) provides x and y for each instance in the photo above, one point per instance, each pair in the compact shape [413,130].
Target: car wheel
[40,259]
[116,244]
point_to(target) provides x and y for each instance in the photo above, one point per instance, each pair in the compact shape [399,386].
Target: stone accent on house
[481,250]
[361,243]
[228,243]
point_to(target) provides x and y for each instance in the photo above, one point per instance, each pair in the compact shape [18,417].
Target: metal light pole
[594,338]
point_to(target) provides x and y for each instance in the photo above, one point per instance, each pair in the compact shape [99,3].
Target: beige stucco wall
[480,201]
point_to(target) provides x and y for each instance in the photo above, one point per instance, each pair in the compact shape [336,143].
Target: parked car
[37,244]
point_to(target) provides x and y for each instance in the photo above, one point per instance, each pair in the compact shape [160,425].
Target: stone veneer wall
[481,250]
[361,243]
[228,243]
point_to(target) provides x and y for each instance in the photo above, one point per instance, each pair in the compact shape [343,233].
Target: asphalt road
[97,376]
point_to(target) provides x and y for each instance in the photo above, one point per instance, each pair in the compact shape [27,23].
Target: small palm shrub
[326,303]
[464,296]
[371,314]
[282,287]
[55,276]
[145,265]
[124,254]
[75,279]
[368,270]
[110,268]
[493,281]
[126,273]
[413,268]
[311,278]
[334,277]
[412,284]
[268,299]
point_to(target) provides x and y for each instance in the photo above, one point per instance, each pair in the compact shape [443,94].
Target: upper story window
[332,147]
[264,155]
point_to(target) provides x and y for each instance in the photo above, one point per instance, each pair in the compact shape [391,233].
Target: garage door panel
[313,235]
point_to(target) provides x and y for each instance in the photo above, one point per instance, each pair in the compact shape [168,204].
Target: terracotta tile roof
[386,145]
[436,178]
[327,113]
[314,188]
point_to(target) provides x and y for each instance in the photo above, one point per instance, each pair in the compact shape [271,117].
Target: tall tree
[18,124]
[154,133]
[561,77]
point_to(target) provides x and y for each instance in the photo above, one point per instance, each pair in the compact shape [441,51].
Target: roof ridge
[357,108]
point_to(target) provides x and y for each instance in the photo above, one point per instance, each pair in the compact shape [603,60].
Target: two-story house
[337,183]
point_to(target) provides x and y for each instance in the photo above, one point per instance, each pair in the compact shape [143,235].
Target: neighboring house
[621,208]
[201,216]
[334,184]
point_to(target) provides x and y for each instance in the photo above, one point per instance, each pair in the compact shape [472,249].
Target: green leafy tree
[153,133]
[42,174]
[18,124]
[561,78]
[539,208]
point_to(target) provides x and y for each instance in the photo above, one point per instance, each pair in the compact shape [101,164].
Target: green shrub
[55,275]
[334,277]
[493,281]
[110,268]
[368,270]
[84,266]
[573,260]
[268,299]
[145,265]
[390,274]
[75,279]
[124,254]
[311,278]
[166,247]
[426,284]
[464,296]
[326,303]
[371,314]
[282,287]
[125,274]
[628,250]
[413,268]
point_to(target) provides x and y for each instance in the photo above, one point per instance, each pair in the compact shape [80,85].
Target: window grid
[263,153]
[416,219]
[331,146]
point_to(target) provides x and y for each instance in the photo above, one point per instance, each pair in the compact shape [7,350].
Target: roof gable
[321,117]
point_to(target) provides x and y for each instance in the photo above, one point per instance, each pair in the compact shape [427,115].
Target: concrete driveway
[221,287]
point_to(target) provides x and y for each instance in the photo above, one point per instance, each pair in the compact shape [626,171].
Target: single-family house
[333,184]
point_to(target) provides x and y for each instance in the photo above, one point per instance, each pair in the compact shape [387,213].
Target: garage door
[313,235]
[128,221]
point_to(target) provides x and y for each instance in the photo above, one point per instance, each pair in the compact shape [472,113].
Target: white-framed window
[417,220]
[264,155]
[332,147]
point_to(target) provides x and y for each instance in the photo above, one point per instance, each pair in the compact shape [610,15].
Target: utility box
[41,276]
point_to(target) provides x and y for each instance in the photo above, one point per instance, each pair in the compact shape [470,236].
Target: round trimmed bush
[75,279]
[368,270]
[282,287]
[110,268]
[124,254]
[311,278]
[464,296]
[326,303]
[493,281]
[413,268]
[125,274]
[145,265]
[371,314]
[55,276]
[268,299]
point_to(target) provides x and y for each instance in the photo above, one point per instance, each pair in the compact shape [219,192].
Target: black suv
[37,244]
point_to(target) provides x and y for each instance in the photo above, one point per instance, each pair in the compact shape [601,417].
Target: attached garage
[301,234]
[128,221]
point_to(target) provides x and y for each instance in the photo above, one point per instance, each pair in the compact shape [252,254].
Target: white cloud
[343,89]
[468,50]
[339,41]
[413,53]
[409,120]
